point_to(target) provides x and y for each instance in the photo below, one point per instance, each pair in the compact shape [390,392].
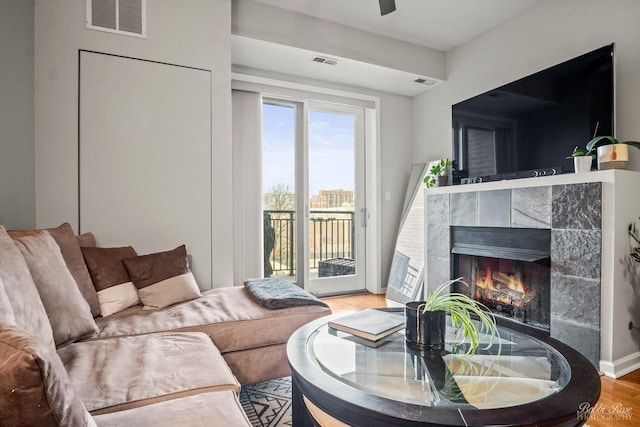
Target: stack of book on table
[369,324]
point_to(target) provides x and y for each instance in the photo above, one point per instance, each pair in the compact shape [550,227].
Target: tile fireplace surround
[587,215]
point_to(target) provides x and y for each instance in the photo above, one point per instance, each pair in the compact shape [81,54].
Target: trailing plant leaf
[633,144]
[592,144]
[611,140]
[635,252]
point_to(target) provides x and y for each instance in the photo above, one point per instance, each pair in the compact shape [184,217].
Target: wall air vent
[324,60]
[126,17]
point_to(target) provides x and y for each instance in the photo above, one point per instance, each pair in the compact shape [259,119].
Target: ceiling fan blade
[387,6]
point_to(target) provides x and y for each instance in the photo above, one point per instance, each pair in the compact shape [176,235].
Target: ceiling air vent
[126,17]
[324,60]
[427,82]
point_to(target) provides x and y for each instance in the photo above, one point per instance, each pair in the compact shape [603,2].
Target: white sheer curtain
[247,185]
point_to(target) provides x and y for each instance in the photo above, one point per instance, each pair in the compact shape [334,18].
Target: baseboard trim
[622,366]
[342,294]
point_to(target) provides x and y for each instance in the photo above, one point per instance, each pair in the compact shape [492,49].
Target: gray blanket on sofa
[277,293]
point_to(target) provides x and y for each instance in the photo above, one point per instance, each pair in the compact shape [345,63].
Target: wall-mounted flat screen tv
[534,123]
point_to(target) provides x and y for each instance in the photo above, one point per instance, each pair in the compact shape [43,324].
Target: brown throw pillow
[86,240]
[110,278]
[66,239]
[27,307]
[68,312]
[35,387]
[163,278]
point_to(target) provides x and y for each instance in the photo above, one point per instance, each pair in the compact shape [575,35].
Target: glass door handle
[363,223]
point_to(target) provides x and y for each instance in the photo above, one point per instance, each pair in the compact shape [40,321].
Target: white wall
[276,25]
[396,158]
[625,304]
[193,33]
[17,165]
[546,34]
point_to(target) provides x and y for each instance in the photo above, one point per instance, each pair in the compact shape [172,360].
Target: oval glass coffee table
[532,381]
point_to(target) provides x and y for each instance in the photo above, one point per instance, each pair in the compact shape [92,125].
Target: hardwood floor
[619,403]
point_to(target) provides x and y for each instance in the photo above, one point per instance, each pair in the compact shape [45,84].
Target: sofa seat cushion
[116,374]
[219,408]
[228,315]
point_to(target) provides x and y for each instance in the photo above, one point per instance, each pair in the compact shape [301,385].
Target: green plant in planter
[439,169]
[635,252]
[591,145]
[462,309]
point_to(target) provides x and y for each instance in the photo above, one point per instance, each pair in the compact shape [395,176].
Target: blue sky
[331,162]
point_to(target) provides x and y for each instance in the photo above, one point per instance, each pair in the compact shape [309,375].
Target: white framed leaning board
[144,160]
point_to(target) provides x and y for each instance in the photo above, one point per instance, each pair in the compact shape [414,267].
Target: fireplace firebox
[506,269]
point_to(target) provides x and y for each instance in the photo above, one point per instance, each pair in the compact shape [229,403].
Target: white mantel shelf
[566,178]
[620,278]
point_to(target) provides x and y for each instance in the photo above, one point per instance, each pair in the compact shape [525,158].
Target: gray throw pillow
[70,248]
[29,312]
[68,311]
[6,311]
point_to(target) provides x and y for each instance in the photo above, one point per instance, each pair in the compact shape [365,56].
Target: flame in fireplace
[500,287]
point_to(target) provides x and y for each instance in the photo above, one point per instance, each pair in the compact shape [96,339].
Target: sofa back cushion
[19,286]
[163,278]
[70,248]
[35,389]
[69,313]
[110,278]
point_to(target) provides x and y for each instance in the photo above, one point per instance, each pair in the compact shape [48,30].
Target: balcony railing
[331,235]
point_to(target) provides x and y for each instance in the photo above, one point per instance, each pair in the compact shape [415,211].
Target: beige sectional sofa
[182,364]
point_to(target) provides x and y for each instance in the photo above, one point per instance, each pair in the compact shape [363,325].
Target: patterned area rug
[268,404]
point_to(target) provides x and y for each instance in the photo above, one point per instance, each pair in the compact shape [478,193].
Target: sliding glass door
[314,194]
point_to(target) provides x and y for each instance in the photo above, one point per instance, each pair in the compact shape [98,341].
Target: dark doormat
[268,404]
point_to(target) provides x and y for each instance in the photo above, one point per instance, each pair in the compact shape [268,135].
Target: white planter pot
[582,164]
[613,156]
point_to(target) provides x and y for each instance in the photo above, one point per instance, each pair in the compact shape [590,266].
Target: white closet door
[145,156]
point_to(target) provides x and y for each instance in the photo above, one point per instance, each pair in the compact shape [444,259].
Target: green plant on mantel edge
[580,152]
[591,145]
[462,309]
[439,169]
[635,252]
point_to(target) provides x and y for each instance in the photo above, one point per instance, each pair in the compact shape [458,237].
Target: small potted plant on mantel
[612,154]
[426,320]
[582,159]
[438,174]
